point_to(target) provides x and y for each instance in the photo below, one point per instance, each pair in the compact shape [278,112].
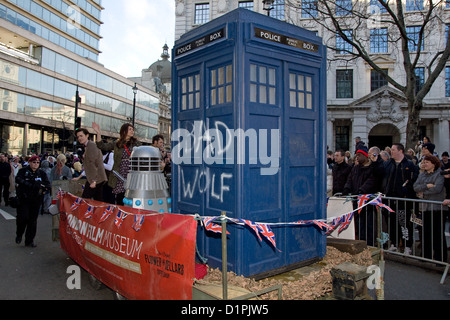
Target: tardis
[249,138]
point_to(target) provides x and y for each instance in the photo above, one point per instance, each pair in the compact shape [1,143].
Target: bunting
[261,230]
[362,199]
[108,211]
[138,222]
[377,202]
[89,212]
[268,234]
[254,226]
[60,194]
[323,225]
[76,204]
[210,226]
[119,218]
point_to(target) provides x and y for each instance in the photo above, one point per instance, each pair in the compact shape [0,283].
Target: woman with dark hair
[430,186]
[122,148]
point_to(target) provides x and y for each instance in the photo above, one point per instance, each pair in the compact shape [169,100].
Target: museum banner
[140,254]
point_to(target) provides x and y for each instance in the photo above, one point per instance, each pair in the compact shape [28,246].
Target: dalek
[146,186]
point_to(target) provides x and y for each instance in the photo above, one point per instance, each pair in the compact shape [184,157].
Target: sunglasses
[36,162]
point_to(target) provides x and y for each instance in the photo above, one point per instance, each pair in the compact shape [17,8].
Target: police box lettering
[200,42]
[289,41]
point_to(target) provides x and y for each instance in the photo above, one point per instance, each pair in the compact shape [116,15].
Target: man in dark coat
[445,166]
[32,183]
[341,170]
[5,172]
[361,180]
[359,144]
[378,167]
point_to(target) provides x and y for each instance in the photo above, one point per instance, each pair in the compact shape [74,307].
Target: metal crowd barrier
[417,229]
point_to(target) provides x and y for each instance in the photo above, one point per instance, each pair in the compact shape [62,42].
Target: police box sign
[282,39]
[200,42]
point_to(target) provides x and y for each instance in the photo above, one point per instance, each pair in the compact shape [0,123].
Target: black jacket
[31,186]
[399,181]
[379,173]
[340,175]
[361,180]
[5,170]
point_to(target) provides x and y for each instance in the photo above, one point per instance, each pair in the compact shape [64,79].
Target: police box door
[287,96]
[305,147]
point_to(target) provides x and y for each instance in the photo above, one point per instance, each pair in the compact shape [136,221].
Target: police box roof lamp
[267,5]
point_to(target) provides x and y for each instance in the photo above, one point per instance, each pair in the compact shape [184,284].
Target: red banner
[137,253]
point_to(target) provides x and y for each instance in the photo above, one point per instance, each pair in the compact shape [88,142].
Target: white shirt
[109,165]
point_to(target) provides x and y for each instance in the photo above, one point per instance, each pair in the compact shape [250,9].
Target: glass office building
[48,49]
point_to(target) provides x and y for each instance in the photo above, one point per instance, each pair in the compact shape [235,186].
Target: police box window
[262,84]
[190,92]
[221,85]
[300,91]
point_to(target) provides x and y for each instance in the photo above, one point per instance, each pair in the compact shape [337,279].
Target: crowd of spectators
[419,173]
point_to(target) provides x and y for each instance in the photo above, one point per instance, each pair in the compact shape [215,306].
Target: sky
[134,32]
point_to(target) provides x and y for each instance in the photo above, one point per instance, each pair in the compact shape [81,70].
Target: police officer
[32,183]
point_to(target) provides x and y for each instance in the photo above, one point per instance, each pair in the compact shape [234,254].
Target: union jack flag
[138,222]
[362,199]
[109,210]
[345,221]
[89,212]
[253,226]
[335,222]
[60,195]
[119,218]
[377,202]
[267,232]
[76,204]
[323,225]
[210,226]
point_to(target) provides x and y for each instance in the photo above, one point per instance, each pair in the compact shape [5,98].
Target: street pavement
[41,273]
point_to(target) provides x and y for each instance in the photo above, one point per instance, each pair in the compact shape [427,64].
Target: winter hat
[363,150]
[34,158]
[45,164]
[429,146]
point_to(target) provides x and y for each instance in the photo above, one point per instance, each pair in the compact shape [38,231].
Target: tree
[404,26]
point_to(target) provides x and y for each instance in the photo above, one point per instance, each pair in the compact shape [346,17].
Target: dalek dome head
[145,158]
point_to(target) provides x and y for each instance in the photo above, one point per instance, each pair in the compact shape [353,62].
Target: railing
[417,229]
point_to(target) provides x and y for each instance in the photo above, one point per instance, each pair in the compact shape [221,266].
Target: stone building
[158,78]
[360,103]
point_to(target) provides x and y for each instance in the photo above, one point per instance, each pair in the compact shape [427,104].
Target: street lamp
[135,90]
[267,5]
[77,124]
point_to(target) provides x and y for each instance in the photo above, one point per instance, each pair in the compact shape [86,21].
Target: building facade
[360,102]
[158,78]
[49,50]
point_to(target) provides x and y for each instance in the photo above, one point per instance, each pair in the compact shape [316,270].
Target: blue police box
[249,138]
